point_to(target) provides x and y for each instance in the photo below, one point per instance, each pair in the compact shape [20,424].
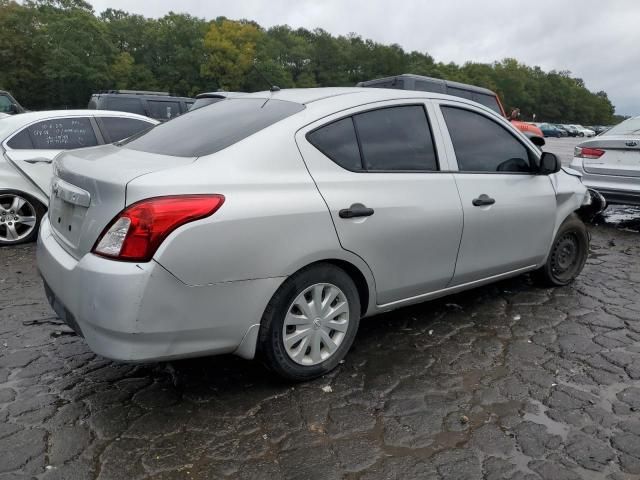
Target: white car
[584,131]
[4,115]
[28,144]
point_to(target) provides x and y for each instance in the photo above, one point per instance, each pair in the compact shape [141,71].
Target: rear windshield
[628,127]
[207,130]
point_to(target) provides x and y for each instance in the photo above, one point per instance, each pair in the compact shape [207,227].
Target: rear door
[389,195]
[509,211]
[33,148]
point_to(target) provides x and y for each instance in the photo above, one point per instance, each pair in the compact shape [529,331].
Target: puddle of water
[553,427]
[623,217]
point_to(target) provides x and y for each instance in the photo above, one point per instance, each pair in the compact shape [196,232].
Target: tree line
[56,53]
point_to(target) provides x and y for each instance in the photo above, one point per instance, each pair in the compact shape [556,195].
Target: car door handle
[355,210]
[483,200]
[39,160]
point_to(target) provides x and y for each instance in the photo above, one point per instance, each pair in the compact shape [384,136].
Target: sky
[598,41]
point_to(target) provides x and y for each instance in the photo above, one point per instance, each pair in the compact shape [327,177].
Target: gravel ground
[508,381]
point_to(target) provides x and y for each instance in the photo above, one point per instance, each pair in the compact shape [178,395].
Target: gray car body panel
[279,215]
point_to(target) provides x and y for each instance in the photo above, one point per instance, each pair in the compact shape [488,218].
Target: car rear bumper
[615,189]
[141,312]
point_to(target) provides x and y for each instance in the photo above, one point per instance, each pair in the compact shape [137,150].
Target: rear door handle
[39,160]
[355,210]
[483,200]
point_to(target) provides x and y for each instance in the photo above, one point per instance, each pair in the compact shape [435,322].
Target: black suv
[8,104]
[158,105]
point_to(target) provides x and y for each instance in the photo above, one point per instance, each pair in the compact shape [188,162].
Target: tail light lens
[584,152]
[137,232]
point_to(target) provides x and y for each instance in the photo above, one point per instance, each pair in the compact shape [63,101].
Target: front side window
[56,134]
[117,128]
[163,110]
[396,138]
[481,145]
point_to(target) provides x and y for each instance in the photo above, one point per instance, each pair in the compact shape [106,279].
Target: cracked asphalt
[508,381]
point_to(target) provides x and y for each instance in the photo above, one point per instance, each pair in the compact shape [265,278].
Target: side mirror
[549,164]
[13,109]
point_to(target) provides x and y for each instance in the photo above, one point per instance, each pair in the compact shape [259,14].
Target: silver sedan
[270,224]
[610,163]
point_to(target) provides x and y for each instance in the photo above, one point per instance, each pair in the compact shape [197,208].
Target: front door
[391,203]
[509,210]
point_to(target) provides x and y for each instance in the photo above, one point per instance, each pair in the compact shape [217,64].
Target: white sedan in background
[28,144]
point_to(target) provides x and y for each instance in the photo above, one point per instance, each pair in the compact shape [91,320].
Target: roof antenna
[272,87]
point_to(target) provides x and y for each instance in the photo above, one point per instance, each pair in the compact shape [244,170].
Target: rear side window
[117,128]
[21,141]
[163,110]
[57,134]
[481,145]
[208,130]
[338,141]
[396,138]
[124,104]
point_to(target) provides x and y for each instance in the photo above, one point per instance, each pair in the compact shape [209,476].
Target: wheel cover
[17,218]
[316,324]
[565,258]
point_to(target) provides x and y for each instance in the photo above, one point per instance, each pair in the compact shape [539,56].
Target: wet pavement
[509,381]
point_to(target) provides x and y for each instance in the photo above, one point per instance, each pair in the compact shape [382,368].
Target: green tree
[230,50]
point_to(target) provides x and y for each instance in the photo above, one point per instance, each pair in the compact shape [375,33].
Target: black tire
[39,210]
[568,254]
[271,346]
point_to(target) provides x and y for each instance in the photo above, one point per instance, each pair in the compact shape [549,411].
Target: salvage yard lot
[505,381]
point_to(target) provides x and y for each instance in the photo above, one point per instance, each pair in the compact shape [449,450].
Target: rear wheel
[20,217]
[310,323]
[568,254]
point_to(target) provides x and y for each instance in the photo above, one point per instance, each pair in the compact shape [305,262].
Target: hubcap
[316,324]
[17,218]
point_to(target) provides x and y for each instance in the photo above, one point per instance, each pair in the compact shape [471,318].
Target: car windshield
[208,130]
[628,127]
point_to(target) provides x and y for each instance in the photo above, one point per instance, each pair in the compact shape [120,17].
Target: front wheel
[20,217]
[310,323]
[568,254]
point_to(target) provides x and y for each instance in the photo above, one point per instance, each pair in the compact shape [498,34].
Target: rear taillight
[137,232]
[584,152]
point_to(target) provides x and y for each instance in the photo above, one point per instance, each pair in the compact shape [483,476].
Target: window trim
[91,118]
[372,109]
[533,157]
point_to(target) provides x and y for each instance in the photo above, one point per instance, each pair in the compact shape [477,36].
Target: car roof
[15,122]
[306,96]
[328,99]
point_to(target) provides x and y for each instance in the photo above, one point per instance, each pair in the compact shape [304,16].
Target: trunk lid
[89,190]
[621,157]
